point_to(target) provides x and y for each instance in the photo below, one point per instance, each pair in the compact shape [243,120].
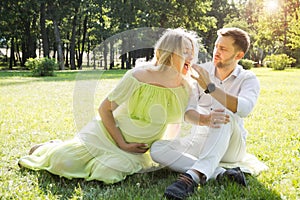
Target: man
[227,93]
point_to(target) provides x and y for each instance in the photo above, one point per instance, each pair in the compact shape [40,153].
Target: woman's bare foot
[39,145]
[34,148]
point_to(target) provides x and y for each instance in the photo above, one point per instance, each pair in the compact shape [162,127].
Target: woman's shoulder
[143,74]
[137,72]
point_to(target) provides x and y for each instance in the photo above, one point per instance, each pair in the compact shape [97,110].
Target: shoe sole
[171,196]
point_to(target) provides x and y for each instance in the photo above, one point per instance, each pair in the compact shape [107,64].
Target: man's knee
[158,148]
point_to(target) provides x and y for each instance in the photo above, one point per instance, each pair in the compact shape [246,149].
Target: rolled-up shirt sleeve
[194,96]
[248,95]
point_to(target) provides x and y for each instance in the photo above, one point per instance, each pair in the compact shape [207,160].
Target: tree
[73,36]
[55,15]
[294,31]
[272,27]
[66,29]
[129,14]
[82,36]
[8,24]
[45,39]
[221,13]
[19,27]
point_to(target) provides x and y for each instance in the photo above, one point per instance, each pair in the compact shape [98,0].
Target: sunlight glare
[271,5]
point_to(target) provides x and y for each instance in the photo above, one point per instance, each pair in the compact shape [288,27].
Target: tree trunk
[6,53]
[67,51]
[12,53]
[124,53]
[105,52]
[88,53]
[24,53]
[18,56]
[128,66]
[28,43]
[54,50]
[80,58]
[123,60]
[31,38]
[73,40]
[45,43]
[60,54]
[111,54]
[133,57]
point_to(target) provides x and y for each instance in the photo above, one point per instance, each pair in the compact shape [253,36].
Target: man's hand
[216,118]
[203,76]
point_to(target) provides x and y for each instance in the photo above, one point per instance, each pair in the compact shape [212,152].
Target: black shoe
[234,174]
[182,188]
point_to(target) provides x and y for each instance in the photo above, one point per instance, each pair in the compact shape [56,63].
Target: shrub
[42,66]
[279,61]
[247,64]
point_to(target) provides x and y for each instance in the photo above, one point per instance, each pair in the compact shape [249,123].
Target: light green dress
[143,115]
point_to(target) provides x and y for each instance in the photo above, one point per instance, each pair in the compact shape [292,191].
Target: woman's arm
[105,111]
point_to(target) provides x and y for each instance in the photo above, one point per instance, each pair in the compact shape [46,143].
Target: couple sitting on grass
[150,102]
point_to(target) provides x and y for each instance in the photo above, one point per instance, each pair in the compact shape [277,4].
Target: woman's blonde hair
[173,41]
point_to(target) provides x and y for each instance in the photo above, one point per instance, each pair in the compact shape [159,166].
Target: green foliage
[246,63]
[293,32]
[272,31]
[42,66]
[278,61]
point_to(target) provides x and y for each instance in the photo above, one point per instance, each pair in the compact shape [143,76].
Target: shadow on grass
[147,186]
[53,186]
[160,180]
[137,186]
[229,190]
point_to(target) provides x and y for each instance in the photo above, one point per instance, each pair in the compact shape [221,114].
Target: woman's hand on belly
[133,147]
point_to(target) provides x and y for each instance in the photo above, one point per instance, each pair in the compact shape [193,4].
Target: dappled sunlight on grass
[274,129]
[38,109]
[20,77]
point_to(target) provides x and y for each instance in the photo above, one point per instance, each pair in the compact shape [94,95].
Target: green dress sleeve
[124,89]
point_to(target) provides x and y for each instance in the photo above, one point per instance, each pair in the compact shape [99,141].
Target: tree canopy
[68,29]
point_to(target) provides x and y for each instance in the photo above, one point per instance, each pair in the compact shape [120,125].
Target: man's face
[225,54]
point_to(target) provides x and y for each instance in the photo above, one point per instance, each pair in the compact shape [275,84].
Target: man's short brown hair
[241,38]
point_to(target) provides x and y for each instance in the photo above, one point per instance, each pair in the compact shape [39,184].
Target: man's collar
[236,71]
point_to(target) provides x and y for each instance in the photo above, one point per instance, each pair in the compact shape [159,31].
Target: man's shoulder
[243,73]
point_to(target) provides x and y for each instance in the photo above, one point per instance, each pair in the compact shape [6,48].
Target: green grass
[35,110]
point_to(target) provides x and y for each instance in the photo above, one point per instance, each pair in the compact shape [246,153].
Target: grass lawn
[35,110]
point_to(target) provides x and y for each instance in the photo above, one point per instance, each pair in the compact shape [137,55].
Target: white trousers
[203,149]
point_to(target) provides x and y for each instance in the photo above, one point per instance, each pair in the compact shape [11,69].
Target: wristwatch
[210,88]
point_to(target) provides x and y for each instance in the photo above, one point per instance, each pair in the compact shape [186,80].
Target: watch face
[211,87]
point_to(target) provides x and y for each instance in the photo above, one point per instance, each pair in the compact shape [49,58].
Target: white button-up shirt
[241,83]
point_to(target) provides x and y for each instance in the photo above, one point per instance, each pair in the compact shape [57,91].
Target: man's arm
[228,101]
[241,104]
[193,116]
[214,119]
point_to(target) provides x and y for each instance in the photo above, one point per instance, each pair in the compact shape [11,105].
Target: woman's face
[183,62]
